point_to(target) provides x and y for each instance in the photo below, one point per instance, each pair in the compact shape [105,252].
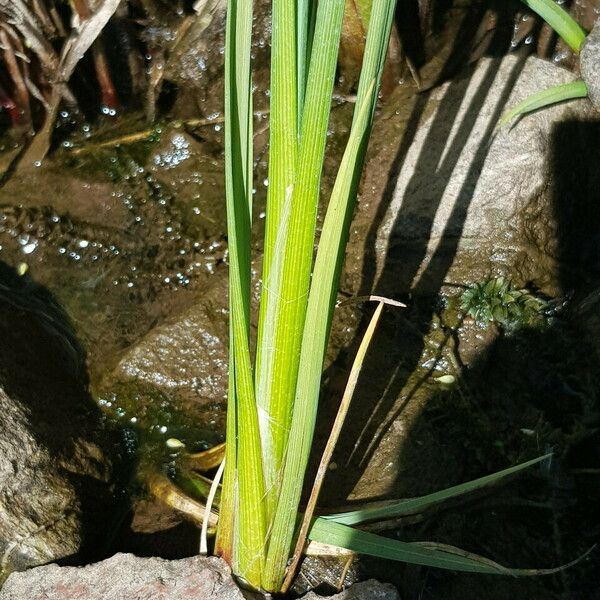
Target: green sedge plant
[574,36]
[274,386]
[273,401]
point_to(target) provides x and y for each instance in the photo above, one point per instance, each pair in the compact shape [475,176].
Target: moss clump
[497,301]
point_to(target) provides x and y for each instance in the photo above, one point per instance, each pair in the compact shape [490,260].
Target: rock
[450,197]
[183,361]
[590,64]
[54,472]
[182,364]
[447,201]
[186,356]
[125,576]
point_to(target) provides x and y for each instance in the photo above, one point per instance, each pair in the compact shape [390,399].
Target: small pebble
[174,444]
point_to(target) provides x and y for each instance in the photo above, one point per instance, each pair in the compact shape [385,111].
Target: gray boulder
[38,507]
[127,577]
[590,64]
[55,490]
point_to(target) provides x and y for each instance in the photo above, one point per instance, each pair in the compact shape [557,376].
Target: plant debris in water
[497,301]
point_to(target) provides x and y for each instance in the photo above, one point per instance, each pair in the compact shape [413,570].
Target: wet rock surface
[124,239]
[173,381]
[125,576]
[462,196]
[448,200]
[187,354]
[590,64]
[55,454]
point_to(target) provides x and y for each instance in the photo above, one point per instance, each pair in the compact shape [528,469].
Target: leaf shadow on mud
[399,342]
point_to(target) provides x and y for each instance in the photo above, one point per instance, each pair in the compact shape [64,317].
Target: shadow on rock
[55,471]
[424,220]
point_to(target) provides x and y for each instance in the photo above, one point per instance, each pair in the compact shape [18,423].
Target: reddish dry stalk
[34,90]
[109,93]
[8,104]
[107,88]
[21,92]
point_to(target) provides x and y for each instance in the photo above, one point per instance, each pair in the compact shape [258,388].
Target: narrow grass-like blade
[371,544]
[430,554]
[552,95]
[243,536]
[288,284]
[415,505]
[283,150]
[560,20]
[323,289]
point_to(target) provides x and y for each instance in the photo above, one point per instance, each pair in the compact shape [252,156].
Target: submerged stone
[186,356]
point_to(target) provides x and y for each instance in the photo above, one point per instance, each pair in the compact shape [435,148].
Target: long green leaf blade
[304,411]
[560,20]
[430,554]
[323,292]
[415,505]
[225,529]
[283,150]
[288,284]
[243,528]
[552,95]
[363,542]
